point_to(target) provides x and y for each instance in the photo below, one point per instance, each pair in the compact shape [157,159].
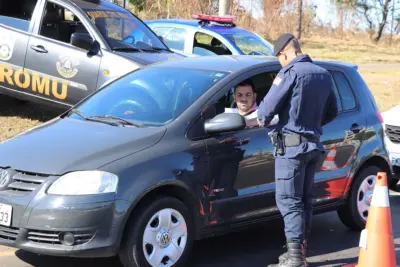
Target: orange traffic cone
[376,242]
[329,162]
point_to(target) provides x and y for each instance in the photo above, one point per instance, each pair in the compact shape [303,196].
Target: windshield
[153,96]
[123,30]
[251,44]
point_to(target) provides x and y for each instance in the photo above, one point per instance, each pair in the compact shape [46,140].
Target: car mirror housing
[225,122]
[85,41]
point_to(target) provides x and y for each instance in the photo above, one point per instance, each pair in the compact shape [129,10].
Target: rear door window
[17,15]
[346,93]
[338,100]
[205,44]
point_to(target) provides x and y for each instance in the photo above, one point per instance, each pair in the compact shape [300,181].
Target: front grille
[8,233]
[26,182]
[393,133]
[56,237]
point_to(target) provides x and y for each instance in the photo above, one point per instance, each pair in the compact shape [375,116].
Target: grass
[359,52]
[17,116]
[385,86]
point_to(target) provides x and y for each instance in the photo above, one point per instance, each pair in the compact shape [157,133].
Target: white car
[392,138]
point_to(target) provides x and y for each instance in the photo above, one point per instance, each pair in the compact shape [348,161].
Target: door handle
[39,49]
[355,128]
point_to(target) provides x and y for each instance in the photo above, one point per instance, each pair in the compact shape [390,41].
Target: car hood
[63,145]
[150,58]
[391,116]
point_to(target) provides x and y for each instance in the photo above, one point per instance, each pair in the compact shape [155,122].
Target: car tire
[165,210]
[351,214]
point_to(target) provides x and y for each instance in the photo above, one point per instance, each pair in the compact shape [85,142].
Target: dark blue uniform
[303,97]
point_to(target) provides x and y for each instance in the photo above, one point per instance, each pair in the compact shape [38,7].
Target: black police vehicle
[151,162]
[60,51]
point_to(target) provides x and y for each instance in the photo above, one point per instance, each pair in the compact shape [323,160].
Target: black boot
[295,256]
[284,256]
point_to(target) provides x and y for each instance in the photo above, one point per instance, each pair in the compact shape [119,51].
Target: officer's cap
[282,41]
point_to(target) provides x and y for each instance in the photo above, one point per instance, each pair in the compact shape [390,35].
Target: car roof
[194,23]
[223,63]
[98,5]
[234,63]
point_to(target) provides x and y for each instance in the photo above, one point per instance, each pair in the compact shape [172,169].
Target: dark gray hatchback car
[151,162]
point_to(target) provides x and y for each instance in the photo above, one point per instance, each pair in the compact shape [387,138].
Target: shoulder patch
[277,80]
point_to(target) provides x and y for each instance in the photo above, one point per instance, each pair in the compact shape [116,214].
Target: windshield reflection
[151,96]
[123,30]
[251,44]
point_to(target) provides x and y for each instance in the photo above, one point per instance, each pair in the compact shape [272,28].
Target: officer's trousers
[294,179]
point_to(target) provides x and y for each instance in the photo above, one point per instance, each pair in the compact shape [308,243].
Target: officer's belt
[296,140]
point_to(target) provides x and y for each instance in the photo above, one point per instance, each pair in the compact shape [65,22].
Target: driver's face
[244,98]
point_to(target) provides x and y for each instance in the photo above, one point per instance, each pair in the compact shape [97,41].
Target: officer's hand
[259,123]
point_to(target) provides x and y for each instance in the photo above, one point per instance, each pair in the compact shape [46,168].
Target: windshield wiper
[124,48]
[135,49]
[162,49]
[92,118]
[120,120]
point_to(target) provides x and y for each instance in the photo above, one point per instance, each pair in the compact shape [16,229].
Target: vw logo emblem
[4,177]
[165,239]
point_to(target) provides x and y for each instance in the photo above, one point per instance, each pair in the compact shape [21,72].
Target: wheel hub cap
[368,198]
[164,238]
[364,199]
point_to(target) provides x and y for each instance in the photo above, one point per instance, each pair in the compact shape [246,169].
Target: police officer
[303,97]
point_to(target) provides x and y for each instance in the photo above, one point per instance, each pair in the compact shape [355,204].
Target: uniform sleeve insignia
[277,80]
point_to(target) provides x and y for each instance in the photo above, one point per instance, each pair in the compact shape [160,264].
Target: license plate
[5,215]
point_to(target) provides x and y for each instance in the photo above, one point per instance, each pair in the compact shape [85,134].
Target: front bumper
[394,156]
[63,225]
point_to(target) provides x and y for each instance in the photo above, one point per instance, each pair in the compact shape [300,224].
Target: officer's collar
[302,58]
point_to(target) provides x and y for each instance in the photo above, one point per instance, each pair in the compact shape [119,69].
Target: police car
[209,35]
[60,51]
[143,167]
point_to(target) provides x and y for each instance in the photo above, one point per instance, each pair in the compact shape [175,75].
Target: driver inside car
[245,97]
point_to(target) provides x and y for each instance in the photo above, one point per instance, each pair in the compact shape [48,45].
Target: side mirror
[85,41]
[225,122]
[162,38]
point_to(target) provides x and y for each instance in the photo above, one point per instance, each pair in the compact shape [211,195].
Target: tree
[342,6]
[138,4]
[370,8]
[300,13]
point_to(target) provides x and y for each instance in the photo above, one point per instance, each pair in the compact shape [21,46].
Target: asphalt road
[332,244]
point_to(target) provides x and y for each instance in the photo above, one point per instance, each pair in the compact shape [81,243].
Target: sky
[325,13]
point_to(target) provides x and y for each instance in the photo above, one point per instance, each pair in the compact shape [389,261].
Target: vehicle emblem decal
[165,239]
[6,46]
[4,177]
[67,67]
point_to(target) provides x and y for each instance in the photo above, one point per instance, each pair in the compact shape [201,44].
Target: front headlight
[85,183]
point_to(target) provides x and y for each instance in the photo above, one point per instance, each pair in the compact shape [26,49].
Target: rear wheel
[355,212]
[161,235]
